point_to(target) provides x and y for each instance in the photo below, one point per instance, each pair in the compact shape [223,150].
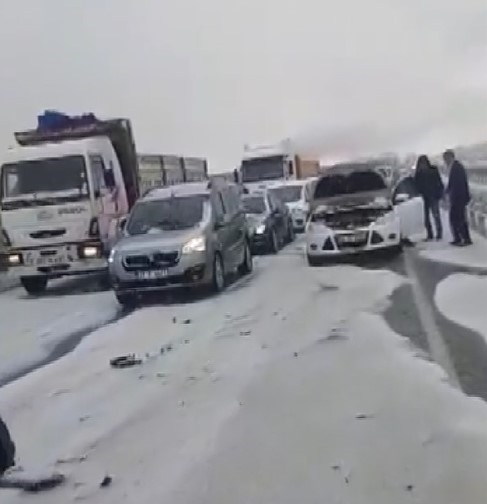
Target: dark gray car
[187,235]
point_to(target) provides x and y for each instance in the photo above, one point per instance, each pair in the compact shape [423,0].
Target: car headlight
[14,259]
[260,229]
[197,244]
[387,218]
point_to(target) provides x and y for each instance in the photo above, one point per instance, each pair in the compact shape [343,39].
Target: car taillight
[5,239]
[94,229]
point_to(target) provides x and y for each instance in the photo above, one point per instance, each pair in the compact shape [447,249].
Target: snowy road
[290,387]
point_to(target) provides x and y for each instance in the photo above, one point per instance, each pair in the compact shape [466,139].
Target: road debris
[106,481]
[125,361]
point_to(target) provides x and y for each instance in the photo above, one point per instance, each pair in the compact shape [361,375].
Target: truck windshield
[44,181]
[171,214]
[288,193]
[268,168]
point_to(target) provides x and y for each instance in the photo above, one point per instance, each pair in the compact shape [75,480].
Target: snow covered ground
[288,388]
[32,328]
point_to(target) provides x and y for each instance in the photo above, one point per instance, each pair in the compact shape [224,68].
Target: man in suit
[459,196]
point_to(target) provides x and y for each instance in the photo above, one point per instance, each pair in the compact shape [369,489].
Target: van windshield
[44,181]
[171,214]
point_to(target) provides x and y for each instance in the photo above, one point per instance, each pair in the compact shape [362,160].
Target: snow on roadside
[461,298]
[291,388]
[32,328]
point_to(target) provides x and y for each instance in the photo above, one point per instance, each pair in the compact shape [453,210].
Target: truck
[156,170]
[275,162]
[64,190]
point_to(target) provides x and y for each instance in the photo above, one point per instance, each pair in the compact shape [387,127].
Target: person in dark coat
[7,448]
[459,196]
[430,187]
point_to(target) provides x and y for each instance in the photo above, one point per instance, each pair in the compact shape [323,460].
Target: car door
[236,223]
[222,229]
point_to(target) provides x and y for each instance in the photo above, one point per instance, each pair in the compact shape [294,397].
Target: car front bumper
[327,242]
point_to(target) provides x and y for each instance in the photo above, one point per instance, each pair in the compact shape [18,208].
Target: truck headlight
[89,252]
[260,229]
[197,244]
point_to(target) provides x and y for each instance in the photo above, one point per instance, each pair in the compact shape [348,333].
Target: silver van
[187,235]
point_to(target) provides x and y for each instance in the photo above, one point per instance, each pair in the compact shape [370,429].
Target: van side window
[97,170]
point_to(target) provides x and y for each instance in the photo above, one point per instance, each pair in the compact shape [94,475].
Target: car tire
[314,261]
[274,242]
[34,285]
[396,250]
[247,265]
[218,276]
[291,235]
[127,300]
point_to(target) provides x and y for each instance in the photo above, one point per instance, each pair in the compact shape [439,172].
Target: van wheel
[247,265]
[127,300]
[291,235]
[34,285]
[218,281]
[274,245]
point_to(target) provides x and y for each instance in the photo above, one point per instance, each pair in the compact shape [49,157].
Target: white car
[296,194]
[351,212]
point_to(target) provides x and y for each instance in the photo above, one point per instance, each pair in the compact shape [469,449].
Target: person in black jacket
[430,186]
[459,196]
[7,448]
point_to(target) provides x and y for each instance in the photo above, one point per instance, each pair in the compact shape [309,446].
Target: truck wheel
[127,300]
[34,285]
[314,261]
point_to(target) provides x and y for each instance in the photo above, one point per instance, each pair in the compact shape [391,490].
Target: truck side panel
[306,167]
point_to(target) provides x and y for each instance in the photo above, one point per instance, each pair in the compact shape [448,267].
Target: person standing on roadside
[430,187]
[459,195]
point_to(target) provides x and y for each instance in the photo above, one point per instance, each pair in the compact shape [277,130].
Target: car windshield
[355,182]
[288,193]
[254,204]
[171,214]
[57,178]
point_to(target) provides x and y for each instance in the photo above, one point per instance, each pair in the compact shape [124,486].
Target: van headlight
[260,229]
[197,244]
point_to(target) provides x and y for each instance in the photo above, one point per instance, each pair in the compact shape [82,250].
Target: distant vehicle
[296,194]
[187,235]
[156,170]
[265,163]
[63,191]
[270,221]
[351,212]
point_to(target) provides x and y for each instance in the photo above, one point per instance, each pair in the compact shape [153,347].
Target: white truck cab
[61,201]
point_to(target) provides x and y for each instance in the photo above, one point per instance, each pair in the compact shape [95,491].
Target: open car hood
[351,188]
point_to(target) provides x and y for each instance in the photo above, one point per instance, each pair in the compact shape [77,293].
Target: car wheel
[291,235]
[218,282]
[247,265]
[126,299]
[313,261]
[34,285]
[396,250]
[274,242]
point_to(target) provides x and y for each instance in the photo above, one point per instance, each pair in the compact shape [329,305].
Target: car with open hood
[186,235]
[351,212]
[269,220]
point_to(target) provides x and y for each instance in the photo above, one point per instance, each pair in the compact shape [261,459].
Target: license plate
[355,238]
[50,260]
[152,274]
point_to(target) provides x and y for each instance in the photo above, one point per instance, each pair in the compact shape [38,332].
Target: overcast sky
[203,77]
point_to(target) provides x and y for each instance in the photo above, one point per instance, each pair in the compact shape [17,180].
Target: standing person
[430,187]
[459,195]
